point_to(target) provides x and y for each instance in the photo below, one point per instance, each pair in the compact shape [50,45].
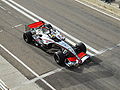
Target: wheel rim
[57,59]
[25,38]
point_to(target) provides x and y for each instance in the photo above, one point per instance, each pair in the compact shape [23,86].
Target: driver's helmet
[47,28]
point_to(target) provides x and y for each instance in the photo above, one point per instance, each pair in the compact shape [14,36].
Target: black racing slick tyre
[80,47]
[59,57]
[27,37]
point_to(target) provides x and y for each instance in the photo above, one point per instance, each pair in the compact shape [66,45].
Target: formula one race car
[45,36]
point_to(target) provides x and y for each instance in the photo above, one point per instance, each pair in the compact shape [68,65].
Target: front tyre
[59,57]
[80,47]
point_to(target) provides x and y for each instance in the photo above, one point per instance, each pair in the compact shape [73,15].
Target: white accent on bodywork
[84,58]
[66,46]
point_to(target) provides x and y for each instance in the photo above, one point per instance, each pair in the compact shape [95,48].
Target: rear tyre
[27,37]
[59,57]
[80,47]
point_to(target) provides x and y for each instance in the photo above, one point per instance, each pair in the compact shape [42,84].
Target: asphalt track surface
[95,29]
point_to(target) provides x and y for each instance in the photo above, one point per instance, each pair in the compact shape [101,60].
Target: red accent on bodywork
[45,27]
[36,24]
[82,54]
[72,58]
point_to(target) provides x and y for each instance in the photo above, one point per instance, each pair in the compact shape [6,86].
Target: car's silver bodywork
[47,38]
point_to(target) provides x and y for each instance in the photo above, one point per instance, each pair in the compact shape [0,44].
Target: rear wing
[34,25]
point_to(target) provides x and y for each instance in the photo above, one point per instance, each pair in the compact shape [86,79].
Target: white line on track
[44,75]
[19,61]
[109,49]
[34,73]
[17,25]
[40,77]
[9,12]
[1,31]
[20,11]
[3,86]
[2,8]
[33,14]
[97,10]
